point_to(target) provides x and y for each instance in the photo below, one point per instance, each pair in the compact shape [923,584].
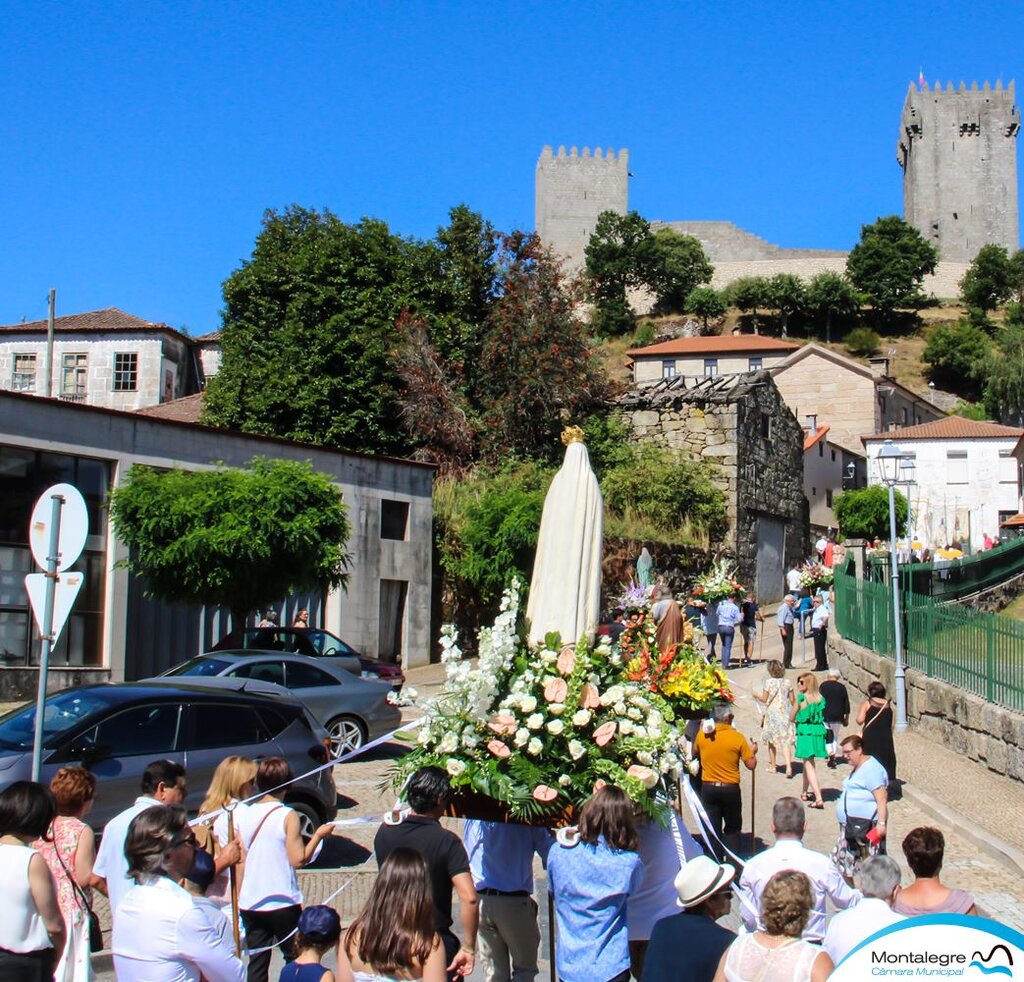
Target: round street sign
[74,526]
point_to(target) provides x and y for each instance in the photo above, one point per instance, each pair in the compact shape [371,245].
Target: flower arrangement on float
[814,574]
[534,730]
[718,583]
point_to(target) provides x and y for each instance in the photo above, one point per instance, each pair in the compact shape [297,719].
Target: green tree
[705,302]
[621,255]
[862,341]
[747,294]
[831,295]
[988,281]
[1017,276]
[958,355]
[889,263]
[308,329]
[971,410]
[233,537]
[864,514]
[1004,388]
[682,266]
[786,295]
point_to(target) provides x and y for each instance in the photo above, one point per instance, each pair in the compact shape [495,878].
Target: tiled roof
[951,428]
[1015,522]
[187,409]
[107,321]
[810,439]
[715,345]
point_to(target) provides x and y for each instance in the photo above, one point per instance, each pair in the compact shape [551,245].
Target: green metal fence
[968,648]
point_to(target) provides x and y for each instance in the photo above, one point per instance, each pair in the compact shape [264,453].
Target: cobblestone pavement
[971,805]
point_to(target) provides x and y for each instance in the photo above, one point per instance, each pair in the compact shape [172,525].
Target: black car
[116,729]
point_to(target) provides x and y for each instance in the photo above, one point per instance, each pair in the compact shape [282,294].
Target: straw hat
[700,878]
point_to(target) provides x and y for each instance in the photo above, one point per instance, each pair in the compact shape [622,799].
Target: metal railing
[968,648]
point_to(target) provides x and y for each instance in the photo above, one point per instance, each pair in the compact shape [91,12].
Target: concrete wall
[127,438]
[958,151]
[650,369]
[966,723]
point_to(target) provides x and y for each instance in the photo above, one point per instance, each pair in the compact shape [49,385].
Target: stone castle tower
[958,151]
[571,191]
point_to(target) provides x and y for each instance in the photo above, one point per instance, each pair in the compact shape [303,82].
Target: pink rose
[556,690]
[604,733]
[566,660]
[600,783]
[543,793]
[503,724]
[590,698]
[499,749]
[644,775]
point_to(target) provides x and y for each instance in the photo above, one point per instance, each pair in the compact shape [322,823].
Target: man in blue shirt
[501,861]
[728,617]
[688,946]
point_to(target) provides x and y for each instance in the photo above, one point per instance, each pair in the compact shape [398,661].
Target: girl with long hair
[809,716]
[232,781]
[393,939]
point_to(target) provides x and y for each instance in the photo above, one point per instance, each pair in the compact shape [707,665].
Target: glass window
[149,729]
[668,369]
[394,519]
[956,466]
[200,667]
[63,711]
[755,363]
[711,366]
[828,498]
[126,371]
[1007,467]
[24,377]
[74,375]
[276,721]
[224,725]
[261,671]
[307,676]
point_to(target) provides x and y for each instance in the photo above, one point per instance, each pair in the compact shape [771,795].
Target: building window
[394,519]
[881,401]
[833,456]
[24,377]
[668,369]
[74,374]
[956,467]
[828,498]
[821,448]
[710,367]
[1007,467]
[126,371]
[755,363]
[765,426]
[905,416]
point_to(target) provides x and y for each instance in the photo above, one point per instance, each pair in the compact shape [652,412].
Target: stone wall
[676,566]
[964,722]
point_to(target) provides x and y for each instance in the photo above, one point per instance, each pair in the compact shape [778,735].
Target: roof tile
[951,428]
[716,344]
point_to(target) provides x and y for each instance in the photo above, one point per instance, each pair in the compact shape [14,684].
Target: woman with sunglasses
[160,934]
[809,716]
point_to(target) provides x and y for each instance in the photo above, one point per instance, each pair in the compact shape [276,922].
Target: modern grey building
[114,632]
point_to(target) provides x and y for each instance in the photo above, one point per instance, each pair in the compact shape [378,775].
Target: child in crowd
[318,932]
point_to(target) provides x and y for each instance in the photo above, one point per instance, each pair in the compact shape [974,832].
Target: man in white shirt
[879,882]
[785,618]
[163,783]
[819,631]
[793,580]
[789,852]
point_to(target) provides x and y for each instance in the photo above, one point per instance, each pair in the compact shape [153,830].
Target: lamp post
[890,460]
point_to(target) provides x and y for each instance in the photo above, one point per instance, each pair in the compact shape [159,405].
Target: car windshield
[63,711]
[201,667]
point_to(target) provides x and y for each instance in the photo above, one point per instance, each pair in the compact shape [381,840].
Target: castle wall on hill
[724,241]
[958,151]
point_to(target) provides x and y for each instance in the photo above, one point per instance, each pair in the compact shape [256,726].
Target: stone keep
[958,151]
[572,189]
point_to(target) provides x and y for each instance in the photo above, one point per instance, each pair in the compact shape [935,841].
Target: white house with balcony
[966,477]
[106,358]
[729,354]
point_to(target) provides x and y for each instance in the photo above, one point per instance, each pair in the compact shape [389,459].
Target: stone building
[741,424]
[707,355]
[958,151]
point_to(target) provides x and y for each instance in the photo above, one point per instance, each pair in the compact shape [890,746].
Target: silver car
[353,710]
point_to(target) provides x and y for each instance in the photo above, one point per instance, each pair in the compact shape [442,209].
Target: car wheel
[309,818]
[347,734]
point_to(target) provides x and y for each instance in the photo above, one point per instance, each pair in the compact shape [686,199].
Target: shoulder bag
[82,899]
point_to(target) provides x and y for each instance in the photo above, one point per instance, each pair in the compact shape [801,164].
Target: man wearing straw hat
[686,947]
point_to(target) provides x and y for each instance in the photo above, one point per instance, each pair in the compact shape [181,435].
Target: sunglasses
[183,840]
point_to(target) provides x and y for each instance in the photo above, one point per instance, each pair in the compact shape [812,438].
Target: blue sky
[143,141]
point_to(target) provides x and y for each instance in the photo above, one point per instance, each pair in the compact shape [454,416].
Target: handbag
[95,931]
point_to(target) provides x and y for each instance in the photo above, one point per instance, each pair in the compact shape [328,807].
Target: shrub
[864,514]
[863,341]
[644,335]
[958,356]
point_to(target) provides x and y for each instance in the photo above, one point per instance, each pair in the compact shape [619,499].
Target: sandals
[819,804]
[807,796]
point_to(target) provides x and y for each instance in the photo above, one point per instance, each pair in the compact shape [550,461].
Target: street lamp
[894,467]
[850,477]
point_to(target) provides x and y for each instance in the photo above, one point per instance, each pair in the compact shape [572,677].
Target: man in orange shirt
[720,750]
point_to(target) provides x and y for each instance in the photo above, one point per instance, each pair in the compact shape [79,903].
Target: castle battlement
[609,155]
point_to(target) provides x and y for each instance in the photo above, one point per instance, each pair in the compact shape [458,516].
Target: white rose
[469,740]
[454,767]
[644,757]
[655,719]
[633,712]
[603,648]
[521,737]
[449,744]
[528,704]
[548,657]
[535,722]
[625,727]
[565,780]
[620,708]
[576,749]
[581,717]
[534,747]
[556,708]
[556,726]
[640,731]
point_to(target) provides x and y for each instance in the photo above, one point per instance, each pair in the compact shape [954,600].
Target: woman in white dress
[393,939]
[778,953]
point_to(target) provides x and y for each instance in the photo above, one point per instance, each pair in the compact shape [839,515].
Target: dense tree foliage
[1004,388]
[831,296]
[864,514]
[889,263]
[682,266]
[863,341]
[958,358]
[748,294]
[705,302]
[988,281]
[786,295]
[233,537]
[620,256]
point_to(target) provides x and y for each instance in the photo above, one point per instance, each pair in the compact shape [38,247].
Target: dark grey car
[352,709]
[116,729]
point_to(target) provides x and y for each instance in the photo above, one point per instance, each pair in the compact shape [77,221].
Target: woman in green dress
[809,717]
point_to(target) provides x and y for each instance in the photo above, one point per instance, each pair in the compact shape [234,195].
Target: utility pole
[48,391]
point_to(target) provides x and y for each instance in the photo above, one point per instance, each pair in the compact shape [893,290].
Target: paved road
[977,808]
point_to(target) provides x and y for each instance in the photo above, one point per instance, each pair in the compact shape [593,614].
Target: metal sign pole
[46,631]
